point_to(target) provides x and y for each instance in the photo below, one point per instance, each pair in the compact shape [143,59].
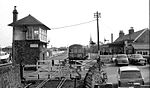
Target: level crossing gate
[47,68]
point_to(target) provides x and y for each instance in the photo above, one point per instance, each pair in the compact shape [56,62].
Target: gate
[52,69]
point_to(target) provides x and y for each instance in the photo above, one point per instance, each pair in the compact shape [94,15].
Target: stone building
[135,42]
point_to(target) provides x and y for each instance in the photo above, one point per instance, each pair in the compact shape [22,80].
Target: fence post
[38,76]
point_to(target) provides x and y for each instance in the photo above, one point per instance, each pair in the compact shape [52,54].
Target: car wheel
[116,63]
[131,61]
[143,83]
[143,64]
[118,83]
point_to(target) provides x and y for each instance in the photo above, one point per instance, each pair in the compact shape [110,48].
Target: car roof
[121,54]
[129,68]
[136,54]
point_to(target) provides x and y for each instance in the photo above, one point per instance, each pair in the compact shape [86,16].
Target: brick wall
[9,76]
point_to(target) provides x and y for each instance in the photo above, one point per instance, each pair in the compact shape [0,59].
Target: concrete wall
[9,76]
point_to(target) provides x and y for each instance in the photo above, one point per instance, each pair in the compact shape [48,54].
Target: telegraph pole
[97,16]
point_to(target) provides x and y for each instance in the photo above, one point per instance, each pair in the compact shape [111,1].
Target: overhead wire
[74,24]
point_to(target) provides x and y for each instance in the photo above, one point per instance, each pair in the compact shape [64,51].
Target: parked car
[137,59]
[4,57]
[128,76]
[121,59]
[147,58]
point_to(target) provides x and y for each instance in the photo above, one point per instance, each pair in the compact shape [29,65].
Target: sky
[60,15]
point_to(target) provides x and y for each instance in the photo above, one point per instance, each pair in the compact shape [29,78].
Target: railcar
[77,52]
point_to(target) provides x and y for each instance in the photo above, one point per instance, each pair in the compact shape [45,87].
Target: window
[44,46]
[36,33]
[29,33]
[32,33]
[79,55]
[79,50]
[43,35]
[139,52]
[75,50]
[130,75]
[34,45]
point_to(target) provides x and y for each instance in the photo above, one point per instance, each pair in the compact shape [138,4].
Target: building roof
[29,21]
[134,36]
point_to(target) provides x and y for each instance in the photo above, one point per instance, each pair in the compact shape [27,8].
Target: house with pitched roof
[29,39]
[133,42]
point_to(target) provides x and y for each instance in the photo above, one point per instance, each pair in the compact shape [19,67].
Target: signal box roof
[29,21]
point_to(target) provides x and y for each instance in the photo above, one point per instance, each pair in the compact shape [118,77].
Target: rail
[61,83]
[42,83]
[27,86]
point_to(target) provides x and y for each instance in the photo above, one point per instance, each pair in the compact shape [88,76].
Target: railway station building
[133,42]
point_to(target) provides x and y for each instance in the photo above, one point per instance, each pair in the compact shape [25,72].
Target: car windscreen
[137,56]
[123,56]
[130,74]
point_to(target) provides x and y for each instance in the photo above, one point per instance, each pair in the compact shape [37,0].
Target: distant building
[29,39]
[133,42]
[92,46]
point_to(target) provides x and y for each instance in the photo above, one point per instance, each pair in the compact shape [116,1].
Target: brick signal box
[29,39]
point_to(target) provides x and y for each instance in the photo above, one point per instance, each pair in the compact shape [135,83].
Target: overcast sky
[116,15]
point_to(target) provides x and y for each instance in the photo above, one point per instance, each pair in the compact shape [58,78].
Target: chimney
[121,33]
[111,37]
[15,14]
[131,30]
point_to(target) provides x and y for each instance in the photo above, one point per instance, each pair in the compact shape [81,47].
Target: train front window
[79,51]
[75,50]
[79,55]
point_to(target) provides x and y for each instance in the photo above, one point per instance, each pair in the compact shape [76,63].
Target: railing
[6,64]
[51,71]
